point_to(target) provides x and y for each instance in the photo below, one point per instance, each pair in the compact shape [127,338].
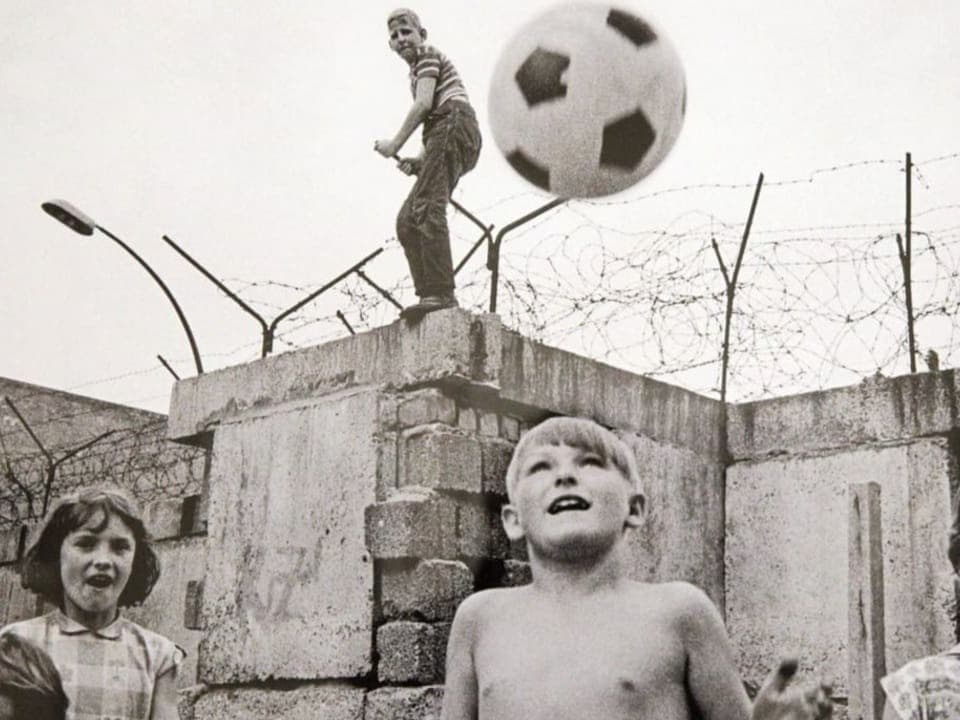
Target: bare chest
[580,670]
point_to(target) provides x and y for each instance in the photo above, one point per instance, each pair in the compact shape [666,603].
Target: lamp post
[81,223]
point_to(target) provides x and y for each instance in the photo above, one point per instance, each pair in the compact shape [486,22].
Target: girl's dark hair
[40,571]
[29,679]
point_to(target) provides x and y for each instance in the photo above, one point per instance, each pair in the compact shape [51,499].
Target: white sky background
[244,130]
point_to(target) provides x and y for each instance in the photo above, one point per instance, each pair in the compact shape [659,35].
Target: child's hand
[387,148]
[778,702]
[409,166]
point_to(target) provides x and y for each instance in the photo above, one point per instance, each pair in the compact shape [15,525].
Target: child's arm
[165,696]
[423,101]
[460,687]
[715,683]
[776,701]
[712,677]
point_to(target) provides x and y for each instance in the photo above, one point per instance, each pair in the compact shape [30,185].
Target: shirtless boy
[583,641]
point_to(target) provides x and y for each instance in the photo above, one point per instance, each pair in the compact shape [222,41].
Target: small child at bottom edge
[30,685]
[582,640]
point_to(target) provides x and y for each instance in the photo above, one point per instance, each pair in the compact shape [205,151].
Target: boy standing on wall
[583,641]
[451,147]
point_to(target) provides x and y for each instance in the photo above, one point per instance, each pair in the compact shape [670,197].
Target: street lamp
[82,223]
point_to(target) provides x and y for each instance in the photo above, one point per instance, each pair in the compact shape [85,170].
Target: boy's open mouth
[568,502]
[100,581]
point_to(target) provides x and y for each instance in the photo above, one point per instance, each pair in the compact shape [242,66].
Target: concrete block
[516,573]
[495,457]
[164,610]
[877,409]
[682,533]
[510,428]
[555,381]
[288,592]
[489,424]
[193,605]
[164,518]
[442,460]
[467,419]
[412,651]
[306,702]
[480,530]
[388,448]
[429,590]
[389,409]
[413,523]
[786,548]
[451,346]
[405,703]
[194,519]
[426,406]
[16,603]
[10,541]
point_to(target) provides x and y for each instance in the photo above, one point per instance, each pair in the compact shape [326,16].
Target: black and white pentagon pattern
[540,78]
[532,171]
[631,27]
[626,141]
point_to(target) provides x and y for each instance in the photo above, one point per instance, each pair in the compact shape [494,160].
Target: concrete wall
[787,495]
[353,489]
[354,495]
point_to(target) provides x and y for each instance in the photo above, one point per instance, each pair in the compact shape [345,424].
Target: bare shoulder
[680,601]
[483,605]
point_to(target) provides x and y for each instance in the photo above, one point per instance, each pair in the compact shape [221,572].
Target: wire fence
[643,283]
[820,299]
[138,459]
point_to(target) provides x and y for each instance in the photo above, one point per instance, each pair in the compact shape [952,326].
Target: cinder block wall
[353,491]
[354,495]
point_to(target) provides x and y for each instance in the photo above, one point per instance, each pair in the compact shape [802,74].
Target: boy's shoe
[427,304]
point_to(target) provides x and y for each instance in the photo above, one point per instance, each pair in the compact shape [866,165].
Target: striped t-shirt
[106,673]
[431,63]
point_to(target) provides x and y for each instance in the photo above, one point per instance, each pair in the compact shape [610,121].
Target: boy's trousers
[451,141]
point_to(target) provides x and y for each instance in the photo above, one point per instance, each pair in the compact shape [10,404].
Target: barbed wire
[818,304]
[138,459]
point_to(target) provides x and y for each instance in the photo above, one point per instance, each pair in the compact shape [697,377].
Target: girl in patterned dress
[91,557]
[929,688]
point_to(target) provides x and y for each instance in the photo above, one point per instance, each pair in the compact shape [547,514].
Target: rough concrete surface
[434,457]
[424,590]
[877,409]
[412,652]
[289,583]
[786,555]
[306,702]
[445,345]
[15,603]
[405,703]
[682,534]
[414,522]
[560,382]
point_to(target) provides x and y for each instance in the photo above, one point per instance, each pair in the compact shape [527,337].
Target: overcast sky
[244,131]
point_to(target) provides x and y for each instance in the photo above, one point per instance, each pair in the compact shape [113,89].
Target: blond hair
[580,433]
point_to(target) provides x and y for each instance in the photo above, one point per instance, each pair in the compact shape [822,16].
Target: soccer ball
[587,100]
